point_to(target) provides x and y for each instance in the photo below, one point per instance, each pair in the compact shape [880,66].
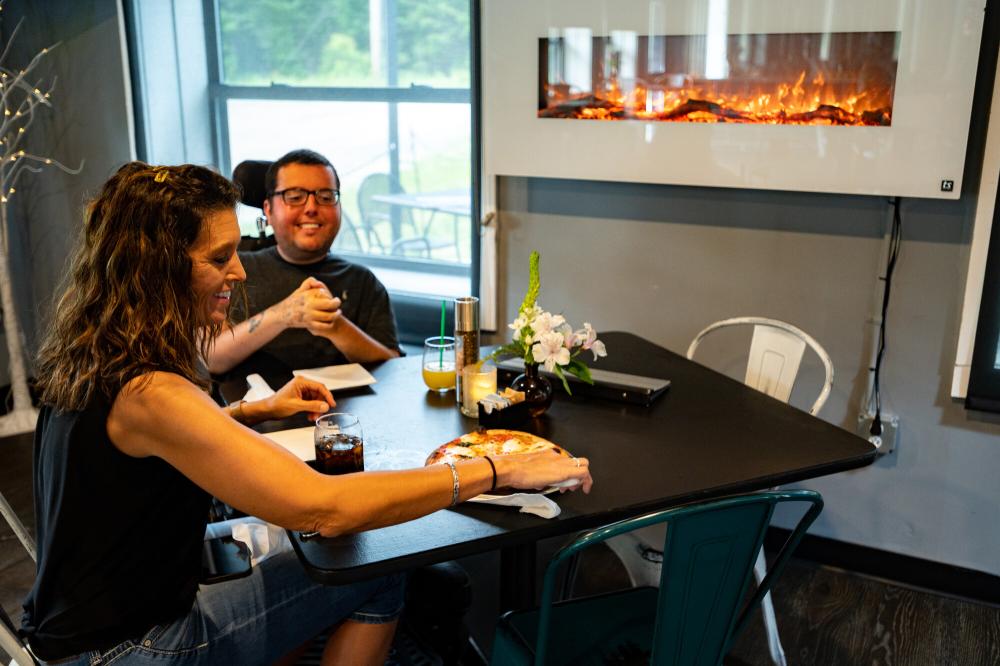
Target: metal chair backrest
[10,641]
[776,351]
[708,557]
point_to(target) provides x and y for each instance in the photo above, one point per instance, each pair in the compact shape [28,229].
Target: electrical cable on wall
[895,240]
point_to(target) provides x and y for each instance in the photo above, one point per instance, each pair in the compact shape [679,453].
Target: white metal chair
[776,350]
[10,642]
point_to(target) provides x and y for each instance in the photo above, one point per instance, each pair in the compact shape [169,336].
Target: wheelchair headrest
[249,177]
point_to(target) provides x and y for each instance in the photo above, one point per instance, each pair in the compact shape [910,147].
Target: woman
[129,448]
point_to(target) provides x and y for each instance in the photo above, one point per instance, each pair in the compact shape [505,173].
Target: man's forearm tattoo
[255,322]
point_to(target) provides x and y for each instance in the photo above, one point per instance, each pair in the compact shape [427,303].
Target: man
[307,307]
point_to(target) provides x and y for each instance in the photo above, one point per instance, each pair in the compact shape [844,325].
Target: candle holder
[477,383]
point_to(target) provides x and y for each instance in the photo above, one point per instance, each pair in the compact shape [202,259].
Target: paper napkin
[258,388]
[263,539]
[533,503]
[297,440]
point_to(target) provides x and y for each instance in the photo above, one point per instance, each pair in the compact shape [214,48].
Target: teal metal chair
[709,553]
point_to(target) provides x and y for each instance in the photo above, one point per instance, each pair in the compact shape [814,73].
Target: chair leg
[7,513]
[11,644]
[767,611]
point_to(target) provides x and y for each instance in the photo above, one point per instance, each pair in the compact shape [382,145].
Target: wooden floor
[833,617]
[830,617]
[826,617]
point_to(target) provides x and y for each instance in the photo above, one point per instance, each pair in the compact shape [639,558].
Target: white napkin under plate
[534,503]
[258,388]
[338,377]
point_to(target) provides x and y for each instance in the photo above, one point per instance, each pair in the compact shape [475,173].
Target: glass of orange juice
[439,363]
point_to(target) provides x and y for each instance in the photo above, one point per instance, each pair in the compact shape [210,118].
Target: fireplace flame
[797,103]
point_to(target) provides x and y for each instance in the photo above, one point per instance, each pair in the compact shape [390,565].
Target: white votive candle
[476,386]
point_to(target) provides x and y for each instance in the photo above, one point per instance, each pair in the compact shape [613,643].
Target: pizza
[492,443]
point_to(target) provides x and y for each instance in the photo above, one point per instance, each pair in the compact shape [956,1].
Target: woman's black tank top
[119,538]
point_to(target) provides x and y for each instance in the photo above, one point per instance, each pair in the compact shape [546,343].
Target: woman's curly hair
[129,308]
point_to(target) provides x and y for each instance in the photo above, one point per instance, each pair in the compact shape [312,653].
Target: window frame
[416,314]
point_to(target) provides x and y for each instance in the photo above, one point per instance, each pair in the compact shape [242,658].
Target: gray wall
[88,121]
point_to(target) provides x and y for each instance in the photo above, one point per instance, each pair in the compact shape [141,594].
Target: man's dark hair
[298,156]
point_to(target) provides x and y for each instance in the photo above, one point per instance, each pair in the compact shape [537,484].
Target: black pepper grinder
[466,338]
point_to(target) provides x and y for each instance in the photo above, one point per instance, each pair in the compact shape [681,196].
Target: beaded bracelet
[493,467]
[454,482]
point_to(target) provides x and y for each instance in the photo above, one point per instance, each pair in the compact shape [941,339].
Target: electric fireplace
[785,79]
[848,96]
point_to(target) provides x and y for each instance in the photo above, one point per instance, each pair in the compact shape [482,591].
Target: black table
[706,437]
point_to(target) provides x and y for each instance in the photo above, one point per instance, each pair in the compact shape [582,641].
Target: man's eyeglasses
[297,196]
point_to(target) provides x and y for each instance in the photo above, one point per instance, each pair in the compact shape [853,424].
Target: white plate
[338,377]
[297,440]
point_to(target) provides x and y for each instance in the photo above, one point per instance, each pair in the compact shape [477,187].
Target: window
[383,88]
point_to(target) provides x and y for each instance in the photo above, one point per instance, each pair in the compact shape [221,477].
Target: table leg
[517,577]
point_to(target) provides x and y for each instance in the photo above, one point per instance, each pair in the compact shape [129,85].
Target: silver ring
[577,461]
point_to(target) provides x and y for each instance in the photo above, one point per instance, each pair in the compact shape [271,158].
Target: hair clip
[161,175]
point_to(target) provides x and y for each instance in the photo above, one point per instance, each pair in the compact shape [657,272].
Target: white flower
[517,325]
[550,350]
[546,322]
[586,337]
[523,319]
[598,348]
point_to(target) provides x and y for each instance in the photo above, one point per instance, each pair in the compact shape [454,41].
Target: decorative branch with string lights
[21,96]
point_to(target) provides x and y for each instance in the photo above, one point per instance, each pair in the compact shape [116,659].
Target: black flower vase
[538,390]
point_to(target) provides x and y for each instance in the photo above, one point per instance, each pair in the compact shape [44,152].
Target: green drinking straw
[441,339]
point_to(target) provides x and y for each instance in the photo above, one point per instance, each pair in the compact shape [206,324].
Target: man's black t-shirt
[119,538]
[364,301]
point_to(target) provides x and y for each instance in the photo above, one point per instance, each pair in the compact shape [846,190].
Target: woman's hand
[298,395]
[543,469]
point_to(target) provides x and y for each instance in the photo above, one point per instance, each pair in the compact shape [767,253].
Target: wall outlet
[890,431]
